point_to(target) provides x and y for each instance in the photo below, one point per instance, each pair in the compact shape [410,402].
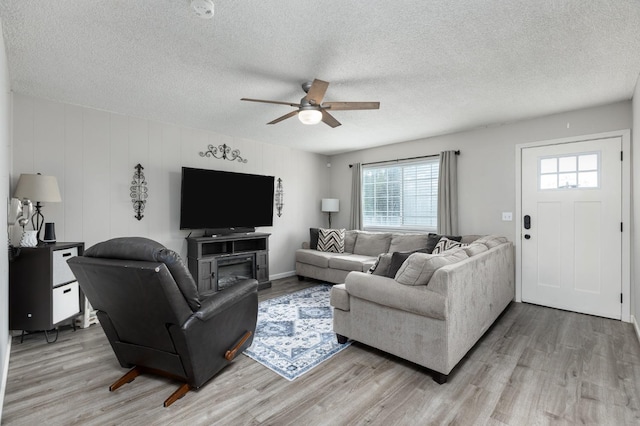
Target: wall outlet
[507,216]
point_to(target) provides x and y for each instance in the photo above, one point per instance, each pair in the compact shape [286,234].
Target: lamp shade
[330,205]
[38,188]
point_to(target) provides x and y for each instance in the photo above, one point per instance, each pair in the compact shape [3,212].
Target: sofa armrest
[388,292]
[212,303]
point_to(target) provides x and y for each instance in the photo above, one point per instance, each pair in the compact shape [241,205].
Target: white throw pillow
[446,244]
[331,240]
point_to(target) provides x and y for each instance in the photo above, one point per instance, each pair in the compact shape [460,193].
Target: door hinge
[620,297]
[621,227]
[621,156]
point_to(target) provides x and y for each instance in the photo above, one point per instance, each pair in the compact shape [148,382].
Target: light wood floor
[535,366]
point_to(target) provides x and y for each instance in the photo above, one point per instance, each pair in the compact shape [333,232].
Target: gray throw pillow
[381,267]
[420,267]
[397,259]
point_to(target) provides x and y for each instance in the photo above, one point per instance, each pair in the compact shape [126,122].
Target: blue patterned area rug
[295,332]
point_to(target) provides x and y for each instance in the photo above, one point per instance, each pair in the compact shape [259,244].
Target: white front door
[571,226]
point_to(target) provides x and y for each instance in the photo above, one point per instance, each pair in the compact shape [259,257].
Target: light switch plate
[507,216]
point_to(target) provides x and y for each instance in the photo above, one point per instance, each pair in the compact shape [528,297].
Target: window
[576,171]
[402,196]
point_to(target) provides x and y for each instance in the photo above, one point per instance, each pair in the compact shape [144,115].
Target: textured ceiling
[436,66]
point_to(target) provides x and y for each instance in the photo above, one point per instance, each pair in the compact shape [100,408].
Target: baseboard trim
[635,326]
[282,275]
[5,374]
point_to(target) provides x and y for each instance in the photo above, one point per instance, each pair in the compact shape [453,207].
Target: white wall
[5,142]
[486,166]
[93,154]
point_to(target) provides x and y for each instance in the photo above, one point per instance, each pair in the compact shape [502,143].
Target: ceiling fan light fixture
[310,116]
[203,8]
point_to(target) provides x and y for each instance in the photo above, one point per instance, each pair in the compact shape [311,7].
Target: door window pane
[567,164]
[588,162]
[548,165]
[573,171]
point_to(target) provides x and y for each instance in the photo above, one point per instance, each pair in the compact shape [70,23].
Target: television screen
[213,199]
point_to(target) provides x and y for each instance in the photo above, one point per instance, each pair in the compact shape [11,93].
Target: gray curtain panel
[448,194]
[356,197]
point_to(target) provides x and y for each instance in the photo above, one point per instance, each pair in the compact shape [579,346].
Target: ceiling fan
[311,110]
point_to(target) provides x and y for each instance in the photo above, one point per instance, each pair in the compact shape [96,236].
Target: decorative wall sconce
[279,198]
[138,192]
[223,152]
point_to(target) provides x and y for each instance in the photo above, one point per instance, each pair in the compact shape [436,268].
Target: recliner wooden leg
[127,378]
[342,339]
[182,391]
[231,353]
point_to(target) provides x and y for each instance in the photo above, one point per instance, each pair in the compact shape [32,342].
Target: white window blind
[401,196]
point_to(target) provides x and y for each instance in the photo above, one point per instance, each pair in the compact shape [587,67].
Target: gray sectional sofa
[433,310]
[361,250]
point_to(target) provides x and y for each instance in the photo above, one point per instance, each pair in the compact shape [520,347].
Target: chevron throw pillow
[446,244]
[331,240]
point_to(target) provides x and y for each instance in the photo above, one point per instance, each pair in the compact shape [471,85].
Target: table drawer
[66,302]
[61,271]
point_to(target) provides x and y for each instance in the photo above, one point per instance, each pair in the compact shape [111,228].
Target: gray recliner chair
[150,310]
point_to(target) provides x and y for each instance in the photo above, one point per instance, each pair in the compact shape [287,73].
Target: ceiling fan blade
[284,117]
[271,102]
[316,92]
[329,119]
[344,106]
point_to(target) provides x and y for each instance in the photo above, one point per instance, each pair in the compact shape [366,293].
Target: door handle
[527,221]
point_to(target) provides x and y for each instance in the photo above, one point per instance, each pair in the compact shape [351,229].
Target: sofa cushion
[475,248]
[446,244]
[408,242]
[350,262]
[350,241]
[315,257]
[372,243]
[339,298]
[419,267]
[433,240]
[381,265]
[387,292]
[331,240]
[491,240]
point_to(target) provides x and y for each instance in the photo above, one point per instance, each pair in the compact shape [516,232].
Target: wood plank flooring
[535,366]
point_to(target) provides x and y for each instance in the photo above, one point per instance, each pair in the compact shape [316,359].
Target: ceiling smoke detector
[203,8]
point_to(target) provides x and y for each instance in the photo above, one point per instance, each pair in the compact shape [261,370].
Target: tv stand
[216,232]
[218,262]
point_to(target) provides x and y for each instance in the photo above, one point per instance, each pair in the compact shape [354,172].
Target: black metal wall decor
[279,198]
[223,152]
[138,192]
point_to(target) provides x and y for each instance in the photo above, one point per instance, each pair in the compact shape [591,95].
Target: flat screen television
[225,202]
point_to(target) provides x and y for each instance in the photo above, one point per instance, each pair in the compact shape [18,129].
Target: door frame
[625,135]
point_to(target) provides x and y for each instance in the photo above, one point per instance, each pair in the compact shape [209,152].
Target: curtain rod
[403,159]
